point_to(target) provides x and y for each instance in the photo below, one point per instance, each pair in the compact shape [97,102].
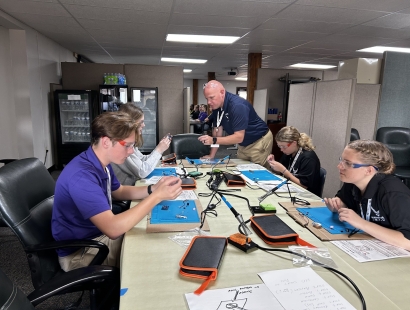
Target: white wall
[29,62]
[230,86]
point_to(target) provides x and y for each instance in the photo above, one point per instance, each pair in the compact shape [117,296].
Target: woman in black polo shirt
[299,162]
[371,199]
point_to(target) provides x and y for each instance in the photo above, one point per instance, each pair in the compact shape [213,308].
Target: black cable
[320,265]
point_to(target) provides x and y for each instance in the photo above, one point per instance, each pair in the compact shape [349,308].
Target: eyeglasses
[347,165]
[127,145]
[283,147]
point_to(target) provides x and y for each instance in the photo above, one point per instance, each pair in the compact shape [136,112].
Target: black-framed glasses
[347,165]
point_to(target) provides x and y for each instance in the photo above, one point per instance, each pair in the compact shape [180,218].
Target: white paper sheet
[370,250]
[247,297]
[302,288]
[187,195]
[250,167]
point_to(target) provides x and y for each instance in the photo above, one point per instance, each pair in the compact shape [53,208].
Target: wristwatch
[149,189]
[214,140]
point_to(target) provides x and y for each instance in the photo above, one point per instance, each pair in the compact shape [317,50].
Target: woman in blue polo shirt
[371,198]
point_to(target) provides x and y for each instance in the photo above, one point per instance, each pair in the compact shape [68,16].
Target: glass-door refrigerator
[147,99]
[74,112]
[111,97]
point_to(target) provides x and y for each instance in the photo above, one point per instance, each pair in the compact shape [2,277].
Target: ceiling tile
[32,7]
[328,15]
[303,25]
[109,14]
[229,7]
[395,21]
[374,5]
[143,5]
[377,32]
[215,21]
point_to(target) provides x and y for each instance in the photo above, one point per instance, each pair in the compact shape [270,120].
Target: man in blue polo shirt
[238,118]
[84,189]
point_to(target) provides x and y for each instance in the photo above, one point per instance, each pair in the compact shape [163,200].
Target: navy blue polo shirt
[240,115]
[80,193]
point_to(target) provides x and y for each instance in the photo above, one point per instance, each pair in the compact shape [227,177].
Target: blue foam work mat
[175,212]
[260,175]
[162,172]
[328,219]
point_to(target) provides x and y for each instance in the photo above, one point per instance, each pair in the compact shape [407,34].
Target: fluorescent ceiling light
[312,66]
[381,49]
[187,70]
[201,39]
[241,78]
[186,60]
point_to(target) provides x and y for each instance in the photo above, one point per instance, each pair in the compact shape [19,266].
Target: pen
[354,231]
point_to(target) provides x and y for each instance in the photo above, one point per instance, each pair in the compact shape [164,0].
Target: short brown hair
[374,153]
[114,125]
[136,113]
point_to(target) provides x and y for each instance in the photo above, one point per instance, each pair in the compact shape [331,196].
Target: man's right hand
[168,188]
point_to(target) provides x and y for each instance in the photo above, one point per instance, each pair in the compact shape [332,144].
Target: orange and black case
[202,259]
[271,229]
[233,180]
[188,184]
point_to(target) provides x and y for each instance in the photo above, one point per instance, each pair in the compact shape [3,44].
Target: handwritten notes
[254,297]
[303,289]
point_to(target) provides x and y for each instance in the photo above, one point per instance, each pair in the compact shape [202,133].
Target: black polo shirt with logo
[390,202]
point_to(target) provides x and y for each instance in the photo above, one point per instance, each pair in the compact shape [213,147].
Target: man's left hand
[206,140]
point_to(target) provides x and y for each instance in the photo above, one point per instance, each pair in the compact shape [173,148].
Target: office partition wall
[300,108]
[331,127]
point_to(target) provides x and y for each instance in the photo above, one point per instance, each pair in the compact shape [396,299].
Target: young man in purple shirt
[87,185]
[239,120]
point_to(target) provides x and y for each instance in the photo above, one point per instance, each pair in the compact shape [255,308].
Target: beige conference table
[150,263]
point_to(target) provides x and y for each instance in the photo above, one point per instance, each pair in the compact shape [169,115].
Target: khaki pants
[83,257]
[258,151]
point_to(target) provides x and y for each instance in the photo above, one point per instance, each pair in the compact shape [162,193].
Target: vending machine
[74,112]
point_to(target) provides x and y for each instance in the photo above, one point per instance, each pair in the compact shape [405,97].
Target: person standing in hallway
[239,120]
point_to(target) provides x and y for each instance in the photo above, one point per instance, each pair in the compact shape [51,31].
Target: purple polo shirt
[80,193]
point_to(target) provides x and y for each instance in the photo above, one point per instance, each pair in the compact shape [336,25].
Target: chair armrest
[75,280]
[54,245]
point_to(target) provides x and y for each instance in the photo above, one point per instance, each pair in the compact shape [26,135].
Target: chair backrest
[354,134]
[397,140]
[11,297]
[26,202]
[323,173]
[188,145]
[393,135]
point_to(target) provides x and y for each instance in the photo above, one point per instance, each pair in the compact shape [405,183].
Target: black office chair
[5,161]
[11,298]
[188,145]
[26,202]
[323,173]
[397,140]
[354,135]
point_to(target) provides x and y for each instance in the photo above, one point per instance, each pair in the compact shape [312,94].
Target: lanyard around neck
[219,119]
[109,186]
[369,208]
[294,161]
